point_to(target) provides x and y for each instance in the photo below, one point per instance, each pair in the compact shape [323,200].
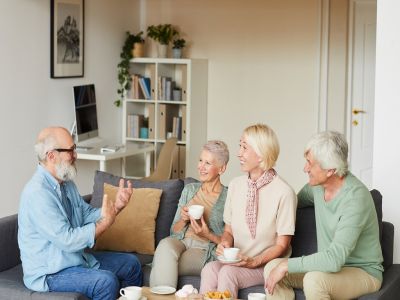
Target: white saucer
[222,259]
[124,298]
[163,290]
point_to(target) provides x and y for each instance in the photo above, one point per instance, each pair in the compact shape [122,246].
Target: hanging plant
[124,77]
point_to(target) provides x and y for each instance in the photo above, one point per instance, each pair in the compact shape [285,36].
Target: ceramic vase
[177,52]
[162,50]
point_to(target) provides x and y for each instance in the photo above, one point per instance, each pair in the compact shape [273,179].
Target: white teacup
[131,292]
[231,253]
[256,296]
[196,211]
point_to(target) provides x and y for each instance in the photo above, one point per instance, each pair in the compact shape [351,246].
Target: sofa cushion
[9,243]
[133,229]
[12,288]
[172,190]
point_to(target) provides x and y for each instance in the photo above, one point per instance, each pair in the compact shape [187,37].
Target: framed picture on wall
[66,30]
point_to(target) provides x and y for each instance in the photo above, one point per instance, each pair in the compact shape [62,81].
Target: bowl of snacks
[226,295]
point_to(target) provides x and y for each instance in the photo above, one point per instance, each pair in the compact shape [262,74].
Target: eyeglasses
[69,150]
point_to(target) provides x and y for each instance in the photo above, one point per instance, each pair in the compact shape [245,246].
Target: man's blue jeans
[116,270]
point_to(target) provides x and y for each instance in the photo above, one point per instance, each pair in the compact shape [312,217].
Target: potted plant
[124,77]
[163,34]
[138,45]
[177,47]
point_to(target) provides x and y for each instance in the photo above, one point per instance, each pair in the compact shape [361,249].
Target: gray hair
[219,149]
[330,150]
[44,145]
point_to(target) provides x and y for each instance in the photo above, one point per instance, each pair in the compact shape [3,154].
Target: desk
[128,150]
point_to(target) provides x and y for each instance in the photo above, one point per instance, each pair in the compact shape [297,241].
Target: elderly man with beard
[56,226]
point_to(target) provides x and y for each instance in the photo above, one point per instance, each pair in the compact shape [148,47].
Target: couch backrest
[9,250]
[305,239]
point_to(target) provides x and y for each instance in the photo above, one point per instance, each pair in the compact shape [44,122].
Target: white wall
[387,107]
[30,100]
[263,67]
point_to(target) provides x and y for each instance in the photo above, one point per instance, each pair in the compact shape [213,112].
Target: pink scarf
[252,198]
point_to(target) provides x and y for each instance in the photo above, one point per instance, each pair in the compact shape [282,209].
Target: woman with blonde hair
[259,216]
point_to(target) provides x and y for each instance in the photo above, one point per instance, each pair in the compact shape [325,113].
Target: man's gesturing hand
[123,195]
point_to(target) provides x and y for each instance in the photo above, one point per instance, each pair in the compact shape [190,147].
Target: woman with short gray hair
[193,241]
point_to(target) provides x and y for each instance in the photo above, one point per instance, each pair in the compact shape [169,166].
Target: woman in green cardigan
[192,242]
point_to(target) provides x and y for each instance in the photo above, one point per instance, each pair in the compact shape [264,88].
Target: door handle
[358,111]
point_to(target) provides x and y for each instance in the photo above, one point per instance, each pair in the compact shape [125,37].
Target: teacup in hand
[196,211]
[131,292]
[231,253]
[256,296]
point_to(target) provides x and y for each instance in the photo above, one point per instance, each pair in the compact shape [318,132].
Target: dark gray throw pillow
[172,190]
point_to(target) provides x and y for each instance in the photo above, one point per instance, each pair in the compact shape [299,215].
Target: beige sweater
[276,214]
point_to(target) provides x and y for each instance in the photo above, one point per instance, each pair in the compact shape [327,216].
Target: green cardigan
[215,222]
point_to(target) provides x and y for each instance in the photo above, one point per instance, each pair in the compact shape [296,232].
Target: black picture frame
[66,38]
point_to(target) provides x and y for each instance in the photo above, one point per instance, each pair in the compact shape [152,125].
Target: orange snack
[218,295]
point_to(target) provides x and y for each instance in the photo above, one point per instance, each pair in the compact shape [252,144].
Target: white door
[362,88]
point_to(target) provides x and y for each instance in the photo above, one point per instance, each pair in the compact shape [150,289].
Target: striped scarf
[252,198]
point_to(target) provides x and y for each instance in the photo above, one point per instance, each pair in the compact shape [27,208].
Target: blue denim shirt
[48,241]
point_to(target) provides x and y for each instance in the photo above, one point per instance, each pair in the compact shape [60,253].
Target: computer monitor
[86,124]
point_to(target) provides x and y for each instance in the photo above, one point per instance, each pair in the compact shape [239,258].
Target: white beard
[66,171]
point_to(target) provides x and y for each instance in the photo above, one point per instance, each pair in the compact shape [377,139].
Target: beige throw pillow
[134,227]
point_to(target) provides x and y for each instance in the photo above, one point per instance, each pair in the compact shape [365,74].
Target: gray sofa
[304,242]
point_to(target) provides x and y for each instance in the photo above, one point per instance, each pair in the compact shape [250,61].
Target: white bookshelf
[191,75]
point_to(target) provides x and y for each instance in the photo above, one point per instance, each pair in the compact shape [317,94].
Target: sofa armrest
[390,287]
[9,249]
[387,244]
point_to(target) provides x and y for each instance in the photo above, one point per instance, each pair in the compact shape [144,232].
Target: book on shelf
[147,83]
[177,127]
[162,111]
[182,161]
[145,86]
[166,116]
[184,83]
[165,87]
[129,123]
[183,113]
[175,163]
[179,162]
[134,123]
[151,120]
[136,89]
[168,90]
[152,81]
